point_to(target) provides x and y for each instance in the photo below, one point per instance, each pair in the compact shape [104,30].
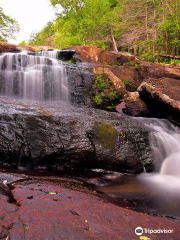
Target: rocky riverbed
[66,208]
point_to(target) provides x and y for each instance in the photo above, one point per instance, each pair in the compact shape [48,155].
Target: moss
[106,134]
[130,86]
[136,65]
[128,83]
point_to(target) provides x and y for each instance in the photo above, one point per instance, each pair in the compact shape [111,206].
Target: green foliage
[43,37]
[142,27]
[82,22]
[100,83]
[23,43]
[98,99]
[175,62]
[148,56]
[127,82]
[104,94]
[8,27]
[136,65]
[129,85]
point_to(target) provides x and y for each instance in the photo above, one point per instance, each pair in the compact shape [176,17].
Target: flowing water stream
[33,77]
[156,193]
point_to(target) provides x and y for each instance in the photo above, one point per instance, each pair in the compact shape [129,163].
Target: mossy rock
[106,134]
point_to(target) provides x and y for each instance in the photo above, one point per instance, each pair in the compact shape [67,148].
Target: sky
[32,15]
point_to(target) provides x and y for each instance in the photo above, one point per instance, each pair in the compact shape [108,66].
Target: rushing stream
[158,193]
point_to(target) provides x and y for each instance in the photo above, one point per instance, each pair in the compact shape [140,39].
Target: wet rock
[71,138]
[30,197]
[162,97]
[47,219]
[66,55]
[80,80]
[4,189]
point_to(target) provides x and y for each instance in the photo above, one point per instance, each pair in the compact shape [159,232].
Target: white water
[158,192]
[40,77]
[165,141]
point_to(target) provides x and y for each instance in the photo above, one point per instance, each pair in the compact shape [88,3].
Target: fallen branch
[168,56]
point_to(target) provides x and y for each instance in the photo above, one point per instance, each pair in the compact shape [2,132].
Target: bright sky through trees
[31,15]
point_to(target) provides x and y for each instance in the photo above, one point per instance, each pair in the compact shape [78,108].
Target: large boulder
[129,75]
[41,136]
[162,96]
[133,105]
[155,70]
[92,54]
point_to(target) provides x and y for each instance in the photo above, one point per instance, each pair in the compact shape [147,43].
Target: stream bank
[48,210]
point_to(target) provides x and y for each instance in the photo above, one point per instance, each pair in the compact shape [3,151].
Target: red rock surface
[162,97]
[72,215]
[92,54]
[8,47]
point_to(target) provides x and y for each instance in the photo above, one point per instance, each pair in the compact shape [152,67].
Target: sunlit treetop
[8,27]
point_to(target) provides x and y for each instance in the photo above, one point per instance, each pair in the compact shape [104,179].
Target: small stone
[30,197]
[74,213]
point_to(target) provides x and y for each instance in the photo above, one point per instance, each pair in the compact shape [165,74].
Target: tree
[8,26]
[143,27]
[44,37]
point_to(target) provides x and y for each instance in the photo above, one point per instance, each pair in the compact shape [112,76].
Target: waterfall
[165,143]
[168,139]
[35,77]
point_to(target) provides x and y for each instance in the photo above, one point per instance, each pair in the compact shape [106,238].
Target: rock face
[119,86]
[162,97]
[7,47]
[66,55]
[92,54]
[63,137]
[81,80]
[133,105]
[68,215]
[129,75]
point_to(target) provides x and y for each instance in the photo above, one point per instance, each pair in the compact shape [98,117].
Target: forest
[142,27]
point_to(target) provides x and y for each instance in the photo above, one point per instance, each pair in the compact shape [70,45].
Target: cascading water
[158,192]
[168,147]
[165,143]
[35,77]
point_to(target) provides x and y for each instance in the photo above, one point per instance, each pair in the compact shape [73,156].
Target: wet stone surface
[56,135]
[74,215]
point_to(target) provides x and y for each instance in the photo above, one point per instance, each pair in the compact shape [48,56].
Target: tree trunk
[146,23]
[154,26]
[115,48]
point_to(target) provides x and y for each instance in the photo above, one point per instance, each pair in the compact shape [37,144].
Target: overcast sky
[32,15]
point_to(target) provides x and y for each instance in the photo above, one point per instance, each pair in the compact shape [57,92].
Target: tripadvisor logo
[138,231]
